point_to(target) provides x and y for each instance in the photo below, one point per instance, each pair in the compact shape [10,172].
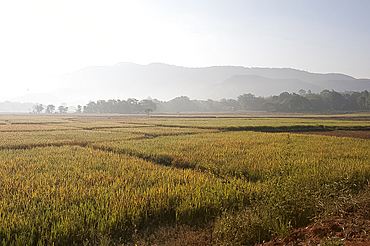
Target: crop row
[69,185]
[250,155]
[68,194]
[245,122]
[303,175]
[33,138]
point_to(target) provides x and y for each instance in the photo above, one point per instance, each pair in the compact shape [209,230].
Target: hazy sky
[46,37]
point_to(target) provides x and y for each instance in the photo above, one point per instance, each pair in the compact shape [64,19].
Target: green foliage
[325,101]
[38,108]
[129,106]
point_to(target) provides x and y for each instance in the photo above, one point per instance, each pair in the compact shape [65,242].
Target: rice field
[79,180]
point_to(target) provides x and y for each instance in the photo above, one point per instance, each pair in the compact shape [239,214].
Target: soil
[178,235]
[350,228]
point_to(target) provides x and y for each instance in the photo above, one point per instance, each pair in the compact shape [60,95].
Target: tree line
[301,102]
[325,101]
[50,109]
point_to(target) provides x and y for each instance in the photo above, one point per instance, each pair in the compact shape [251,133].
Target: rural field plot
[33,119]
[68,194]
[39,131]
[71,180]
[41,138]
[266,123]
[252,155]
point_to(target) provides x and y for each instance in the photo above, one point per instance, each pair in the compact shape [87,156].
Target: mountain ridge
[165,82]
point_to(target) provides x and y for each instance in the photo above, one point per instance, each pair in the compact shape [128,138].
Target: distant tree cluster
[50,109]
[129,106]
[325,101]
[301,102]
[8,106]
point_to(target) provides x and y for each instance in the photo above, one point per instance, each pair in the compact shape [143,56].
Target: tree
[38,108]
[90,108]
[333,99]
[302,92]
[79,109]
[148,105]
[250,102]
[210,105]
[50,109]
[229,104]
[317,102]
[62,109]
[182,104]
[133,106]
[298,103]
[363,100]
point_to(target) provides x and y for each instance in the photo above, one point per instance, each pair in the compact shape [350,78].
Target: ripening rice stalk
[74,192]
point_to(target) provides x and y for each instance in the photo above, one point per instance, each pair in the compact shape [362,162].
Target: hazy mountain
[156,80]
[164,82]
[44,98]
[261,86]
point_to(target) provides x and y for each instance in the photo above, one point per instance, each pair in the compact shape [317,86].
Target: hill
[128,80]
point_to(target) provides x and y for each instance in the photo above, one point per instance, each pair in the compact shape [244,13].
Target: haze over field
[165,82]
[76,51]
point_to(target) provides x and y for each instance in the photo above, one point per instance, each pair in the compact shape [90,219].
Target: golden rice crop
[227,122]
[69,194]
[18,139]
[109,183]
[251,154]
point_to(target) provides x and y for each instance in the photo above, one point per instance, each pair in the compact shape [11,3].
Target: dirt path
[350,228]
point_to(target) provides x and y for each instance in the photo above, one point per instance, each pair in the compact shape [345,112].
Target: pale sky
[49,37]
